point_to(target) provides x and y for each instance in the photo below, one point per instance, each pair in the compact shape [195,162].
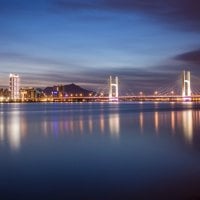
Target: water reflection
[1,128]
[14,135]
[16,126]
[156,121]
[71,125]
[188,125]
[44,127]
[81,124]
[114,125]
[173,121]
[102,123]
[141,121]
[55,128]
[90,124]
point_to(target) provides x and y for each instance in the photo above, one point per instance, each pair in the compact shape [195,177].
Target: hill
[71,89]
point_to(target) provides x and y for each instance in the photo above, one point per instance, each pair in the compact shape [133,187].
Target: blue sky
[52,42]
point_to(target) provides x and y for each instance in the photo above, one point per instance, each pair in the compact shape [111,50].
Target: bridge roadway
[172,98]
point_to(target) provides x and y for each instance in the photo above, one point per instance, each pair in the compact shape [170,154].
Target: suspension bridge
[181,91]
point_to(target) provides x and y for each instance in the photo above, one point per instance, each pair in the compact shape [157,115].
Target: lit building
[29,94]
[58,91]
[14,87]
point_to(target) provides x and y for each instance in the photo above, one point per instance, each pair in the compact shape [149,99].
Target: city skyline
[74,92]
[63,41]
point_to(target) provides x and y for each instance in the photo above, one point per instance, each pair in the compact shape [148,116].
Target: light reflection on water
[156,122]
[173,121]
[81,151]
[102,123]
[141,121]
[188,125]
[114,125]
[90,124]
[15,130]
[1,128]
[106,119]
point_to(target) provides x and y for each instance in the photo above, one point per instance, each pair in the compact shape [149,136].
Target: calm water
[100,151]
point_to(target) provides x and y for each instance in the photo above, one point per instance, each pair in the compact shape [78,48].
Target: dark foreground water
[99,151]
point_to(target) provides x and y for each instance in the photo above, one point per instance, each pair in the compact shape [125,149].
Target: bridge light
[172,92]
[141,93]
[156,92]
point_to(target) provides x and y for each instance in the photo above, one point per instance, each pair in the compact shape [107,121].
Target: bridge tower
[186,89]
[113,95]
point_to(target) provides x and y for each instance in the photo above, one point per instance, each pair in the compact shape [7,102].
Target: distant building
[28,94]
[14,87]
[4,94]
[58,91]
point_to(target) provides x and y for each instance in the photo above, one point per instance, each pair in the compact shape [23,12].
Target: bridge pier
[186,85]
[113,96]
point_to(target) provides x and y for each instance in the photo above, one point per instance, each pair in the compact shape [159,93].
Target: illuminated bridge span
[167,95]
[175,98]
[164,95]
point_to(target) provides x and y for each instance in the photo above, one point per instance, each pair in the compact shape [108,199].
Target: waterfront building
[29,94]
[58,91]
[14,87]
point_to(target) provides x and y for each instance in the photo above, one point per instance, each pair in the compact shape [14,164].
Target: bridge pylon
[113,94]
[186,84]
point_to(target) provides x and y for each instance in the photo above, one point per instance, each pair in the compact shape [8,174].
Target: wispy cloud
[131,79]
[182,13]
[13,56]
[190,57]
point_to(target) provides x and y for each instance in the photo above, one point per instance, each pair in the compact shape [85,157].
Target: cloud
[190,57]
[181,13]
[13,56]
[132,80]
